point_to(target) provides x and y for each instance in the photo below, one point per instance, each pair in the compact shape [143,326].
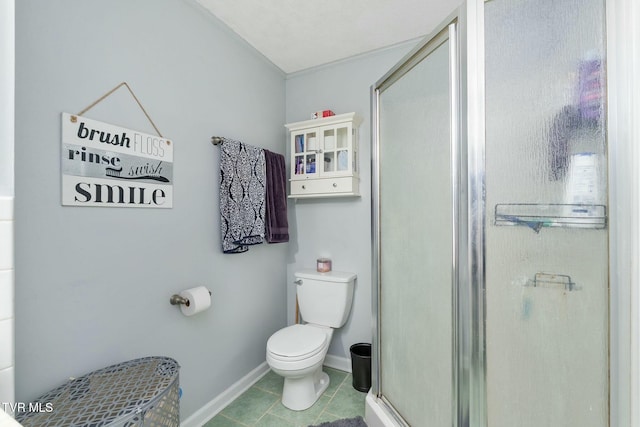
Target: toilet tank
[325,298]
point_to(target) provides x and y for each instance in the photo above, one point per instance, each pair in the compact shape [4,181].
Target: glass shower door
[415,237]
[546,250]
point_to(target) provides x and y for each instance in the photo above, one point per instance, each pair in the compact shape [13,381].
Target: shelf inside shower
[537,215]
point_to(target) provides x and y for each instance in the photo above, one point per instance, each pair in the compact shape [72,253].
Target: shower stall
[491,222]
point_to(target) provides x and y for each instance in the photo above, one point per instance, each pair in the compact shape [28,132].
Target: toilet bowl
[297,352]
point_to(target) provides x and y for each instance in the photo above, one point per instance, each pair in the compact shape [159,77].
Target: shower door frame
[623,104]
[622,19]
[468,368]
[623,92]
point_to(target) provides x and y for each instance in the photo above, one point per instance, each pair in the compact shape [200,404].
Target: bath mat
[347,422]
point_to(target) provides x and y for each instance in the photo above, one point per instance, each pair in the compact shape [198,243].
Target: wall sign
[108,165]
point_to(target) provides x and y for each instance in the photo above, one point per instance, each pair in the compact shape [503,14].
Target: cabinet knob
[304,187]
[335,185]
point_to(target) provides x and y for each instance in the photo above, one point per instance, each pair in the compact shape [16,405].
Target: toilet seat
[297,342]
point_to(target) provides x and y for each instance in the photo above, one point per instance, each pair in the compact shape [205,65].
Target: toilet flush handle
[298,282]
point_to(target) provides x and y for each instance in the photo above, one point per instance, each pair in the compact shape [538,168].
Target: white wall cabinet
[324,157]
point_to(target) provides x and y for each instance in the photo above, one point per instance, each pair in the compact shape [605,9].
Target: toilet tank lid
[331,276]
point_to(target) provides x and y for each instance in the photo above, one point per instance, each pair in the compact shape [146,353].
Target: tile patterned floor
[260,406]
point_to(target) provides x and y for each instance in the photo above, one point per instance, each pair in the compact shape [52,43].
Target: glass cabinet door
[337,152]
[306,148]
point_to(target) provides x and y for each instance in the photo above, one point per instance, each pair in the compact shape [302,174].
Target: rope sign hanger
[103,97]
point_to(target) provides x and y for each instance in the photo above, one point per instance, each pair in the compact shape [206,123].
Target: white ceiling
[300,34]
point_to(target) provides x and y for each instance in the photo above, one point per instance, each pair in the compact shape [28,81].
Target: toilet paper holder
[179,299]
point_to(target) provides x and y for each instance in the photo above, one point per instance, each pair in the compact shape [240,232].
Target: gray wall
[339,228]
[93,284]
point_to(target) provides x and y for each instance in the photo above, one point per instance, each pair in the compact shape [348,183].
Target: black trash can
[361,366]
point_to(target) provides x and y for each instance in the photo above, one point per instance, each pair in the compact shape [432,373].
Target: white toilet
[297,352]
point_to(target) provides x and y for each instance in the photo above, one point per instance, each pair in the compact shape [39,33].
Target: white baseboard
[211,409]
[340,363]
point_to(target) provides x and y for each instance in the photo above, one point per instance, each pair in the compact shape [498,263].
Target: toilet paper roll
[199,300]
